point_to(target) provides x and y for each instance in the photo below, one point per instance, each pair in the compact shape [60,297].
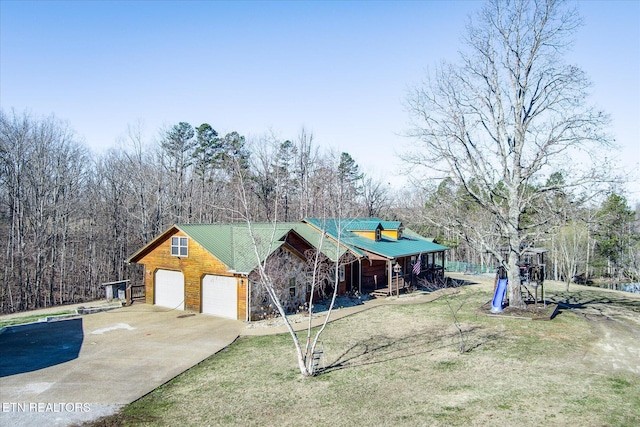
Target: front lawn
[400,365]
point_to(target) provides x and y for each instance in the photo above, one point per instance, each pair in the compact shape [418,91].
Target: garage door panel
[169,289]
[220,296]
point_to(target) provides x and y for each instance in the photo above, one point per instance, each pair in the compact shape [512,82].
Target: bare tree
[263,174]
[375,195]
[569,243]
[42,170]
[305,161]
[505,118]
[270,275]
[144,175]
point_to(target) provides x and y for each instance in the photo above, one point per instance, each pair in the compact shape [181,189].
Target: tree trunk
[514,240]
[513,274]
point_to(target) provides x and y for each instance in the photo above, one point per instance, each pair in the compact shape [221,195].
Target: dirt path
[617,337]
[614,317]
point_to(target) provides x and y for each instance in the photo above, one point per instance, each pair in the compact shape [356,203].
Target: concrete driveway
[89,366]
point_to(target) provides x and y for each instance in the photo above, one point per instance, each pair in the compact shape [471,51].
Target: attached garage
[220,296]
[169,289]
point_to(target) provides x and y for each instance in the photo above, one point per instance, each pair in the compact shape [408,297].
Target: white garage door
[169,287]
[220,296]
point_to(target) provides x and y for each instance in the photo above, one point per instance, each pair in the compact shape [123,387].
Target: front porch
[388,277]
[407,282]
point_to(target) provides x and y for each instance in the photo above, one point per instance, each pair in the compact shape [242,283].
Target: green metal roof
[327,246]
[233,244]
[411,243]
[390,225]
[362,225]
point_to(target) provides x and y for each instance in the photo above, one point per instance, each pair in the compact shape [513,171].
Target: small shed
[116,290]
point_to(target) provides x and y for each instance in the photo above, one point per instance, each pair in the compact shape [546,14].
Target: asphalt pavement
[81,368]
[77,369]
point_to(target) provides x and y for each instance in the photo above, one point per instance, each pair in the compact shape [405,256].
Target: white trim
[179,246]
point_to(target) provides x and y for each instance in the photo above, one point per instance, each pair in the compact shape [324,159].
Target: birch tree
[269,281]
[505,117]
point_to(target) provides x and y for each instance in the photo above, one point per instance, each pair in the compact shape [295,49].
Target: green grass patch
[619,385]
[32,318]
[400,365]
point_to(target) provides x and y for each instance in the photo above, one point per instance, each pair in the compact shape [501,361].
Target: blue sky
[339,69]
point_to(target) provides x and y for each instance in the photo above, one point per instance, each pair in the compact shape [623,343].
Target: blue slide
[498,297]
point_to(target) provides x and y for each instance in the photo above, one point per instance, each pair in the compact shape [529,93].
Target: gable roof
[233,244]
[361,225]
[410,242]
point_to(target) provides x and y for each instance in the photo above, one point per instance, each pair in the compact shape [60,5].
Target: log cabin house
[211,268]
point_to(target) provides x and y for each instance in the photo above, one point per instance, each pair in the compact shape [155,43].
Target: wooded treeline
[586,240]
[69,219]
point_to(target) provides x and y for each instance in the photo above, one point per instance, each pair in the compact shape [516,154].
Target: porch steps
[385,292]
[380,293]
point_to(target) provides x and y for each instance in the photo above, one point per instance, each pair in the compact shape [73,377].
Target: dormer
[372,230]
[392,229]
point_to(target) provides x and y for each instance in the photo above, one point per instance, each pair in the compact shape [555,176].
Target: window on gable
[179,246]
[378,234]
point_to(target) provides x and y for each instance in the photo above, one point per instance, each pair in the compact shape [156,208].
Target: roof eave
[406,254]
[133,259]
[357,252]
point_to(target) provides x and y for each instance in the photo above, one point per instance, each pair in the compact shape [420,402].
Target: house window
[179,246]
[378,234]
[341,273]
[309,281]
[292,287]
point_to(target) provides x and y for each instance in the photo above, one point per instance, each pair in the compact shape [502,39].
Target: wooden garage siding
[198,263]
[242,298]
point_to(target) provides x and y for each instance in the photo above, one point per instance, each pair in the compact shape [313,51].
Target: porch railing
[400,282]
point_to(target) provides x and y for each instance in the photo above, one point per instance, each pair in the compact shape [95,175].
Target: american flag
[416,266]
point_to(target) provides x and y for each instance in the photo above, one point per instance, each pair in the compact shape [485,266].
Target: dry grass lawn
[401,365]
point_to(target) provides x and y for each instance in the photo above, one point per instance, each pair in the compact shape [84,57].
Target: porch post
[390,276]
[360,276]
